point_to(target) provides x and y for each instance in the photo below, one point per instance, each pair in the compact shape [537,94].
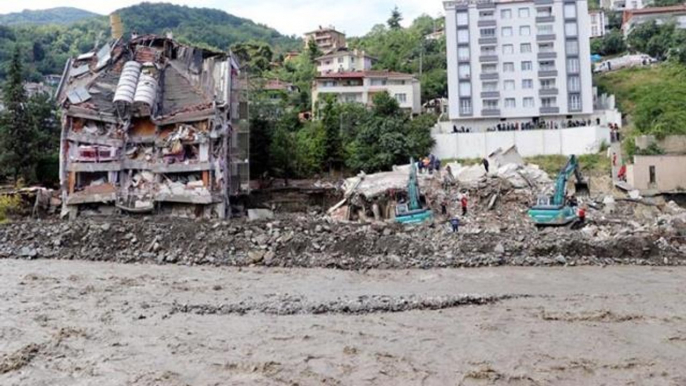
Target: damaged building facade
[152,126]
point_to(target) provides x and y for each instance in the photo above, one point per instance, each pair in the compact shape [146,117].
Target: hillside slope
[59,15]
[46,47]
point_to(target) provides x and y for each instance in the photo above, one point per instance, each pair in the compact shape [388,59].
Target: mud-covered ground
[95,323]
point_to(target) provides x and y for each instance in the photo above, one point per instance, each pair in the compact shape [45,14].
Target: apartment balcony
[488,40]
[486,23]
[463,59]
[488,58]
[545,38]
[464,76]
[548,91]
[489,76]
[490,112]
[549,110]
[543,2]
[485,4]
[490,94]
[545,19]
[466,113]
[575,109]
[547,73]
[547,55]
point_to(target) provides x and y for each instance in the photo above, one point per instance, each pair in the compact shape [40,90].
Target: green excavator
[555,210]
[412,212]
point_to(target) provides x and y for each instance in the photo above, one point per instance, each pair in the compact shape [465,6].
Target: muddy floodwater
[85,323]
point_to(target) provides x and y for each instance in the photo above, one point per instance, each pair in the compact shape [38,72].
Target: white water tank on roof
[126,88]
[146,92]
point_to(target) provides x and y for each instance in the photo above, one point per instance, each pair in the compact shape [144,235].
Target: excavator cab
[555,210]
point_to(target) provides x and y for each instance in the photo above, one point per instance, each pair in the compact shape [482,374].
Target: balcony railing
[548,91]
[490,112]
[488,58]
[544,73]
[490,94]
[547,55]
[545,38]
[549,110]
[488,75]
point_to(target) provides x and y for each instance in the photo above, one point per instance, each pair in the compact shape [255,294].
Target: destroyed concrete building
[152,125]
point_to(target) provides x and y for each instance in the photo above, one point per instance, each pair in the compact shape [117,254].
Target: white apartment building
[598,23]
[360,87]
[518,60]
[344,60]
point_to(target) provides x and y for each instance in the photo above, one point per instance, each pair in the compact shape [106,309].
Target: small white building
[661,15]
[598,23]
[621,5]
[344,60]
[360,87]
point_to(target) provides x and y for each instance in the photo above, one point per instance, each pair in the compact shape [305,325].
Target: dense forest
[59,15]
[46,47]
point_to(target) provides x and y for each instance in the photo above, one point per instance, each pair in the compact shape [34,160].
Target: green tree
[45,144]
[313,50]
[395,19]
[331,120]
[610,44]
[310,149]
[387,137]
[18,135]
[281,152]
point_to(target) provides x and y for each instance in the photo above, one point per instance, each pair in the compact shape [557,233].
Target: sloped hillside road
[93,323]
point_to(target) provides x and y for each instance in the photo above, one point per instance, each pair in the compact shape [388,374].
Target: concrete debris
[260,214]
[304,241]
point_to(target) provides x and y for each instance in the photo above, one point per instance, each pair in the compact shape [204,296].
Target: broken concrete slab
[260,214]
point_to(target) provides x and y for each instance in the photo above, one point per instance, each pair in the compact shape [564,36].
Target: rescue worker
[463,203]
[485,163]
[455,224]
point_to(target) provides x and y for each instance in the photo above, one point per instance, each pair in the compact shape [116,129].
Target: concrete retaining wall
[579,140]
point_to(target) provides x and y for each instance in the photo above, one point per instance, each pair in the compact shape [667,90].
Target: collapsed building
[152,125]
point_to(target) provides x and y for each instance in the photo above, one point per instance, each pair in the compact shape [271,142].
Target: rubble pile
[303,241]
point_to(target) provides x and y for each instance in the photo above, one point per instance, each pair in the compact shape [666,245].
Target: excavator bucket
[582,189]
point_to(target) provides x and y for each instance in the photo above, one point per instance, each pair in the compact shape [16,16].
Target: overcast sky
[355,17]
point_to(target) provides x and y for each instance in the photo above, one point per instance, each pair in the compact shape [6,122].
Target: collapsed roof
[147,76]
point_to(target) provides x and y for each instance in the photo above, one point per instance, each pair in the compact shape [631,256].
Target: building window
[463,53]
[378,82]
[507,31]
[508,67]
[350,98]
[574,84]
[573,65]
[487,15]
[524,30]
[570,29]
[488,50]
[465,106]
[462,18]
[653,175]
[489,86]
[509,85]
[572,47]
[570,11]
[487,32]
[465,89]
[508,49]
[402,98]
[527,66]
[547,65]
[464,71]
[546,47]
[523,13]
[544,11]
[489,68]
[527,83]
[525,48]
[529,102]
[506,14]
[549,102]
[510,103]
[547,84]
[545,29]
[463,36]
[574,102]
[490,104]
[340,60]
